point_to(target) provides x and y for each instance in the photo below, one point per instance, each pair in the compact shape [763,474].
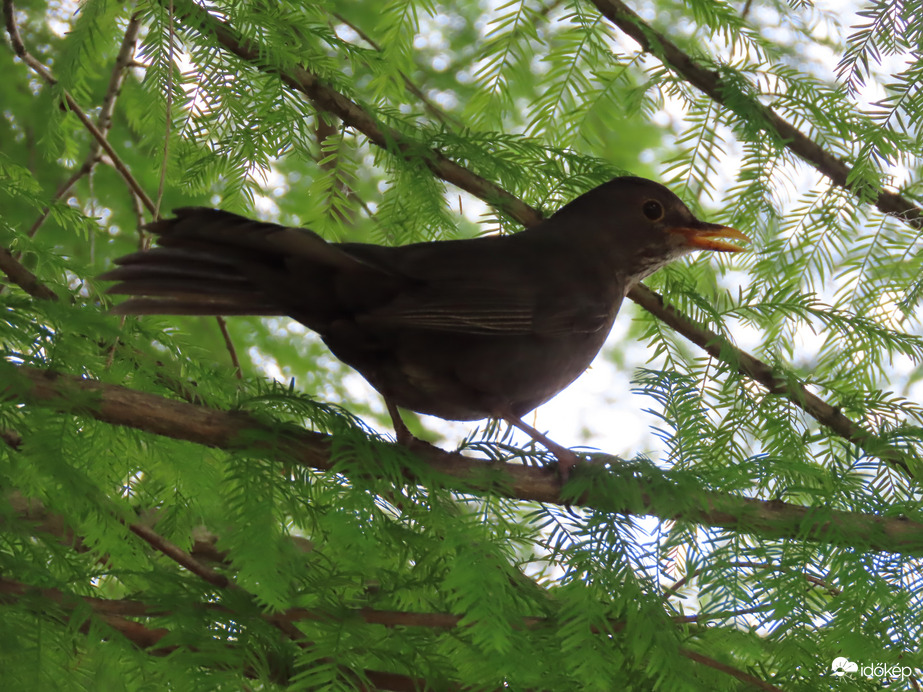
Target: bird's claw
[567,460]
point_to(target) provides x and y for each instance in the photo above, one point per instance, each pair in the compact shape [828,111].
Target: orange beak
[711,236]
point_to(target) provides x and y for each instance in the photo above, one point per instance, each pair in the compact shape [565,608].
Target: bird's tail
[207,262]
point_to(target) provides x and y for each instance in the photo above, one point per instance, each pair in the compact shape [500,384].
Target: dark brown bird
[487,327]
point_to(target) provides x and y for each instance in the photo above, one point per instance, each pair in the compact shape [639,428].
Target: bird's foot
[567,460]
[415,444]
[405,438]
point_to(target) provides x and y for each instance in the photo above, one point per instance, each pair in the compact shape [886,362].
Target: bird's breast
[471,377]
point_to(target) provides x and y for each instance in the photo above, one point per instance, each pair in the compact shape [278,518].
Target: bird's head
[645,225]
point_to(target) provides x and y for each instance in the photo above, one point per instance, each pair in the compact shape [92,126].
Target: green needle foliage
[169,521]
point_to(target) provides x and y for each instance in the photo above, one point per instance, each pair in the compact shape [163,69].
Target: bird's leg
[404,436]
[567,460]
[402,432]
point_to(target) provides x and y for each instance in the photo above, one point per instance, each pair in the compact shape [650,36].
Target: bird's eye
[653,210]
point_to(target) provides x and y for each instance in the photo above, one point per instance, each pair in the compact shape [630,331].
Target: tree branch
[729,670]
[22,277]
[123,60]
[674,588]
[777,383]
[354,115]
[104,122]
[115,613]
[710,82]
[66,186]
[20,49]
[430,107]
[178,555]
[649,495]
[32,511]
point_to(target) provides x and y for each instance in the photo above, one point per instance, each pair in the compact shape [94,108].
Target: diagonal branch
[355,116]
[123,60]
[643,495]
[752,680]
[20,49]
[103,119]
[8,264]
[430,107]
[22,277]
[178,555]
[711,83]
[29,510]
[104,122]
[777,383]
[303,80]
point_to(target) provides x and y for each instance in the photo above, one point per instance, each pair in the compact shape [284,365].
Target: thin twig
[430,107]
[33,511]
[729,670]
[168,118]
[674,588]
[178,555]
[104,122]
[20,49]
[229,344]
[123,60]
[84,170]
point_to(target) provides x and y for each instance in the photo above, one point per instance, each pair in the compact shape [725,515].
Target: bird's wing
[209,262]
[486,286]
[489,312]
